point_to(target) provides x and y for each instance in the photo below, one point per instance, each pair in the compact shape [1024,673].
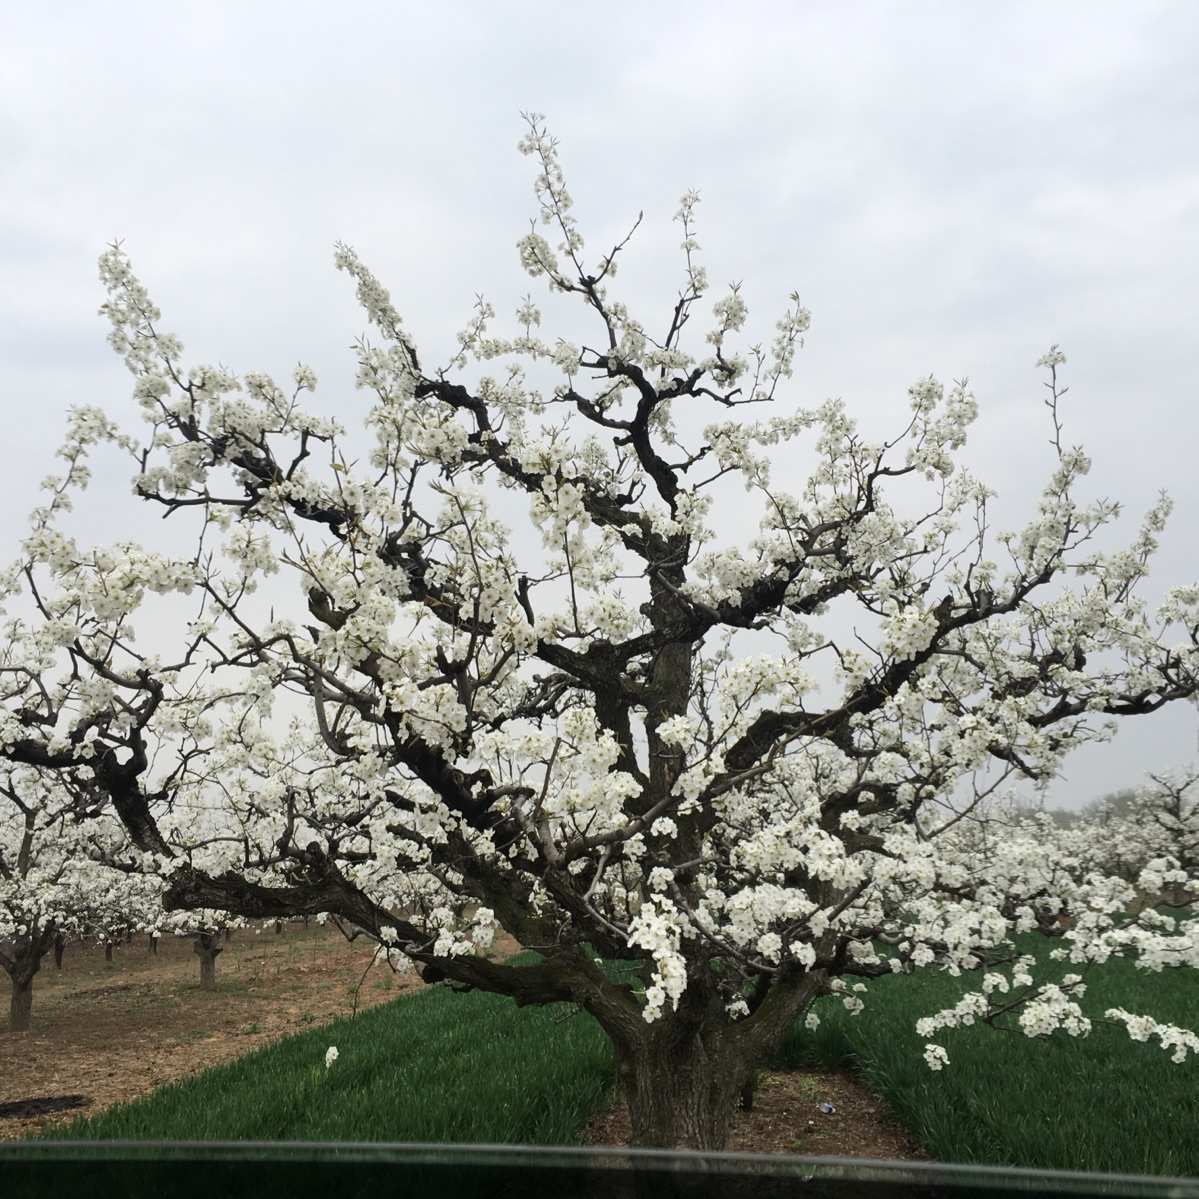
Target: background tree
[708,754]
[199,831]
[1153,828]
[55,879]
[31,882]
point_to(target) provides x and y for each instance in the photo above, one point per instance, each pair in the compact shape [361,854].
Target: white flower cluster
[936,1056]
[657,930]
[1179,1041]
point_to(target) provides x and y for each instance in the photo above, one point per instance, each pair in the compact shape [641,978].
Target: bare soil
[111,1031]
[787,1118]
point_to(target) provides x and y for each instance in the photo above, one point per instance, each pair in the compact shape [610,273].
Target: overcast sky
[950,187]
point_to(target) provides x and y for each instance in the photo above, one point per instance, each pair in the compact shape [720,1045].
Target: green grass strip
[1103,1102]
[432,1066]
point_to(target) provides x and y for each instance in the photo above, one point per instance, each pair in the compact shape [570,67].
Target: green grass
[1103,1102]
[433,1066]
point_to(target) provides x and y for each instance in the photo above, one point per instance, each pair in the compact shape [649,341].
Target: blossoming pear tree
[711,713]
[1155,832]
[32,916]
[56,879]
[58,832]
[198,831]
[75,733]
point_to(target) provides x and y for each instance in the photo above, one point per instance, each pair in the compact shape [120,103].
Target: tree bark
[153,944]
[20,1009]
[207,946]
[681,1095]
[685,1075]
[108,951]
[59,946]
[22,960]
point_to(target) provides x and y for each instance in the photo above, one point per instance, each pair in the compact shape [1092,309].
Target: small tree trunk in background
[153,944]
[108,951]
[278,927]
[207,946]
[227,934]
[305,922]
[59,946]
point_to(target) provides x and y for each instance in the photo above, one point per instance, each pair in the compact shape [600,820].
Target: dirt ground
[787,1118]
[110,1031]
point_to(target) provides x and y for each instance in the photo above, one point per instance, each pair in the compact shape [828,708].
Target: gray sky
[950,187]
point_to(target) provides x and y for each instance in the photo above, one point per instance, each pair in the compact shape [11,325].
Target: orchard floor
[113,1031]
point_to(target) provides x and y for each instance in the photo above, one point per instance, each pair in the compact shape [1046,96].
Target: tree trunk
[108,951]
[20,1009]
[681,1095]
[684,1076]
[207,946]
[278,927]
[22,961]
[153,944]
[59,946]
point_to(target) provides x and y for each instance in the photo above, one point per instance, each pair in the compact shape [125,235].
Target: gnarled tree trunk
[681,1094]
[207,946]
[685,1075]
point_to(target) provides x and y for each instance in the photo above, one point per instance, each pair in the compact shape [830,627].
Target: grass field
[1103,1102]
[436,1067]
